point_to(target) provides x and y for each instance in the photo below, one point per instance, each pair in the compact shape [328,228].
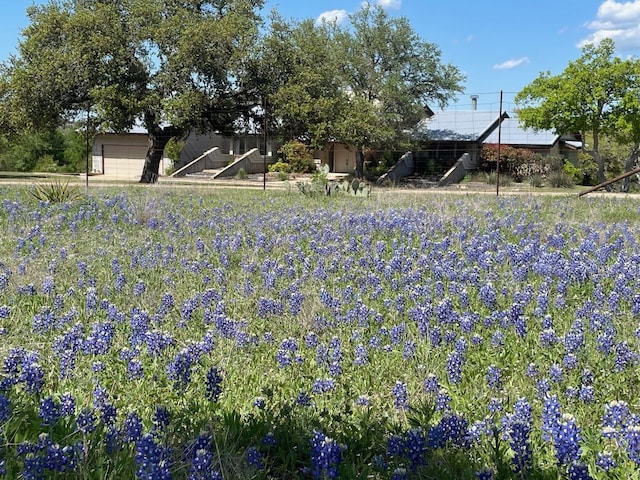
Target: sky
[502,45]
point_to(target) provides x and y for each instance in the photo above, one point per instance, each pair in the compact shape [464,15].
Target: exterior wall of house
[338,157]
[121,156]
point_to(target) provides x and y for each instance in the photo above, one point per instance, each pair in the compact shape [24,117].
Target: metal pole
[87,151]
[499,142]
[264,157]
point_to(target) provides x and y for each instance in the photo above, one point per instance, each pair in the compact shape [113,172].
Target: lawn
[215,333]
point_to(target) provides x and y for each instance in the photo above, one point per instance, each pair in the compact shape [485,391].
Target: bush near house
[519,163]
[298,156]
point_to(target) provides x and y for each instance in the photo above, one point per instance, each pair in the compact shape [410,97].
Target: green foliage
[560,179]
[299,157]
[280,166]
[491,178]
[596,94]
[172,150]
[320,185]
[519,163]
[55,191]
[283,176]
[122,61]
[536,180]
[572,171]
[326,81]
[242,173]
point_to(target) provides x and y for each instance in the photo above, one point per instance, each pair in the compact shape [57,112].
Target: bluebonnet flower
[161,418]
[550,417]
[566,438]
[495,405]
[132,427]
[497,339]
[485,474]
[255,458]
[269,439]
[360,355]
[321,385]
[455,362]
[625,357]
[213,383]
[202,466]
[431,384]
[91,304]
[303,399]
[494,377]
[86,420]
[48,286]
[443,401]
[5,408]
[139,288]
[5,311]
[326,456]
[555,373]
[49,411]
[98,342]
[450,429]
[578,471]
[399,473]
[605,461]
[400,396]
[134,369]
[548,337]
[152,459]
[157,341]
[409,350]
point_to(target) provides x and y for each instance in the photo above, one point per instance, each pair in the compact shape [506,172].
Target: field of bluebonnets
[219,334]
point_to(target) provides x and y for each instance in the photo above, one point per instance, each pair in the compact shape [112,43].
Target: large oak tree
[365,83]
[173,65]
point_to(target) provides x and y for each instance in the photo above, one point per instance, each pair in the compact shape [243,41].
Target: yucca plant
[55,191]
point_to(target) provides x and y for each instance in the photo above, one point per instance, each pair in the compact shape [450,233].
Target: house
[452,141]
[123,155]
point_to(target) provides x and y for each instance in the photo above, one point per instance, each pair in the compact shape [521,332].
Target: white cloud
[331,16]
[390,4]
[617,20]
[509,64]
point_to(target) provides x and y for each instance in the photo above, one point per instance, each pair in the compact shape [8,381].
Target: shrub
[298,156]
[572,171]
[559,179]
[280,166]
[536,180]
[491,178]
[242,173]
[282,176]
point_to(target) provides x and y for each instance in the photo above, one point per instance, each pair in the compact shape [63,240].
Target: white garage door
[125,161]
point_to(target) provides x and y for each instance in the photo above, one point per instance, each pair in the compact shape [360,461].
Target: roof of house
[461,125]
[512,133]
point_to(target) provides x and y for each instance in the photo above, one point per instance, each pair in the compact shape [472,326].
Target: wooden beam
[609,182]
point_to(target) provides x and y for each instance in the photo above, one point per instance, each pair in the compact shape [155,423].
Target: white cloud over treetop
[619,21]
[331,16]
[513,63]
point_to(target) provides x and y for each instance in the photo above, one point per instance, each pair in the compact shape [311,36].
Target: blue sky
[499,45]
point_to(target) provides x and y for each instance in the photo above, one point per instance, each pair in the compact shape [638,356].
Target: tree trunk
[597,157]
[630,165]
[158,139]
[360,163]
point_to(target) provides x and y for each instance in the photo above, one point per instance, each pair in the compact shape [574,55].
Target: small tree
[299,156]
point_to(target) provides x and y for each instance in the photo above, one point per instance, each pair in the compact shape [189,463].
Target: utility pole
[499,142]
